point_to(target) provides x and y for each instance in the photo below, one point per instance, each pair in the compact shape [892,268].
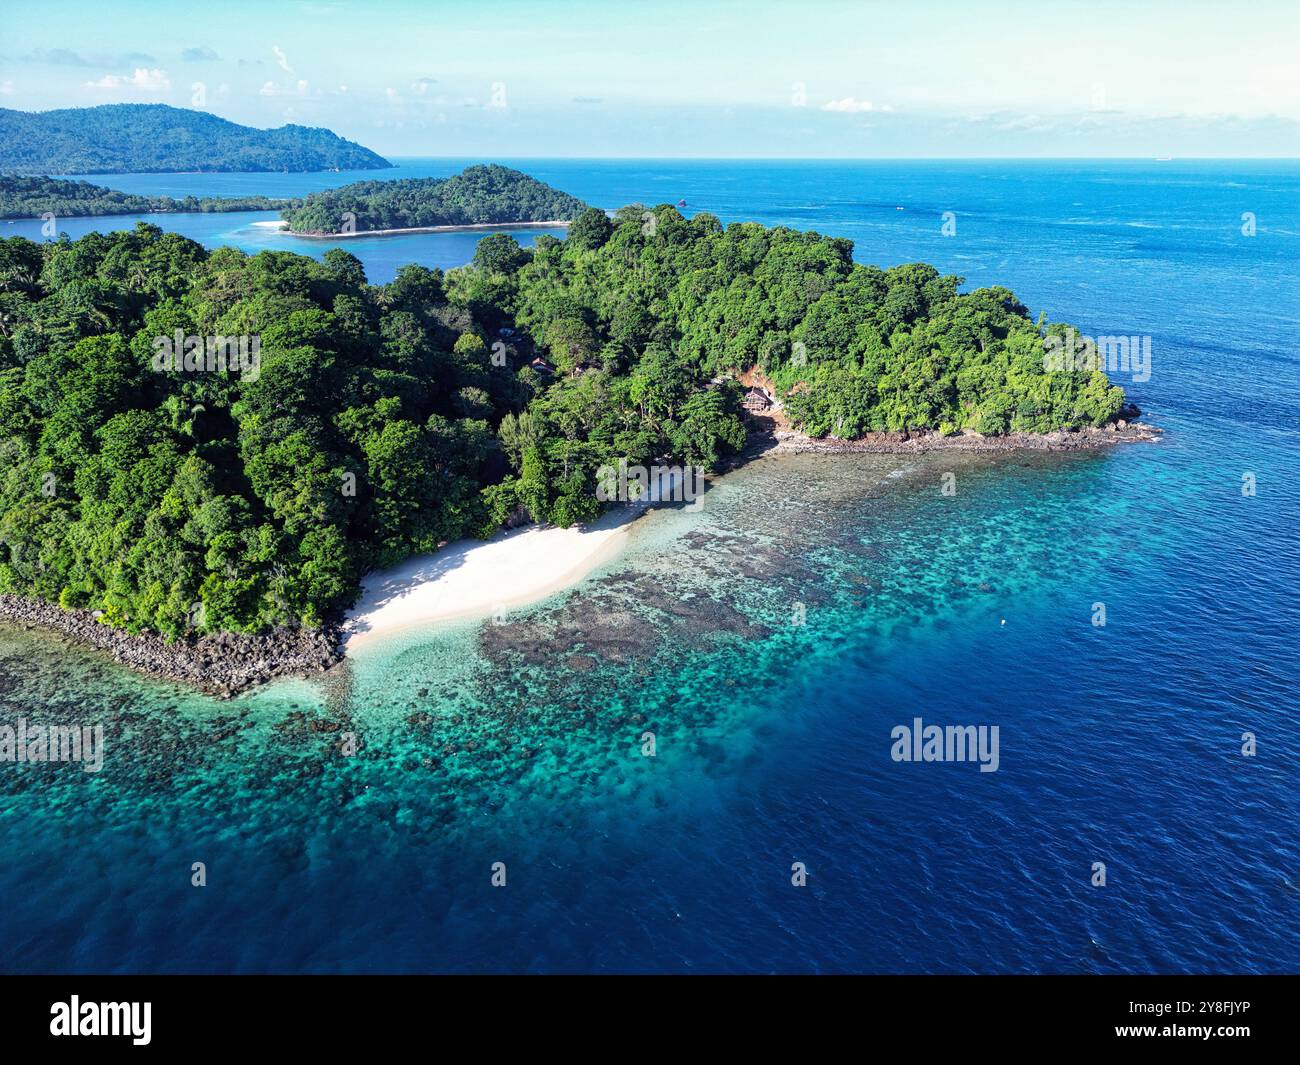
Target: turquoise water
[522,742]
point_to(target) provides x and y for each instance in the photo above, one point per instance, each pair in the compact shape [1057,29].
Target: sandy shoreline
[476,578]
[283,227]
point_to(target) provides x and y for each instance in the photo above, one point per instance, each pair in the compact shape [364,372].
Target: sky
[630,78]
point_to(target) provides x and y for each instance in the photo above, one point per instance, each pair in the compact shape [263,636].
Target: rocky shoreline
[220,664]
[790,442]
[782,440]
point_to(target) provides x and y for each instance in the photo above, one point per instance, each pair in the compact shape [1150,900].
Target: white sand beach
[476,227]
[273,224]
[476,578]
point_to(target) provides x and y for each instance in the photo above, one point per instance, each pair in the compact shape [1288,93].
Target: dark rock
[222,664]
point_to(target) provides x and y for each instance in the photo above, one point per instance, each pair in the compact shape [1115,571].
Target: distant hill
[478,195]
[31,197]
[142,138]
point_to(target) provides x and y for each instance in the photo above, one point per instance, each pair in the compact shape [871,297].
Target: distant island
[149,138]
[32,197]
[479,195]
[207,442]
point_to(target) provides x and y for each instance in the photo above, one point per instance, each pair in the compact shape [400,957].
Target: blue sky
[766,79]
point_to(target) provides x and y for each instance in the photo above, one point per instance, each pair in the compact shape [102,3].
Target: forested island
[32,197]
[156,138]
[384,420]
[479,195]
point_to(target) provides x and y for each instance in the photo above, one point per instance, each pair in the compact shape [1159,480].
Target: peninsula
[386,422]
[32,197]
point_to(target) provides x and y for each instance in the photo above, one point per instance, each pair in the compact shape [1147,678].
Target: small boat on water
[681,203]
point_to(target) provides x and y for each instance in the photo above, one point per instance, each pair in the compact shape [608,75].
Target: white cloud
[143,79]
[282,59]
[848,105]
[6,88]
[270,88]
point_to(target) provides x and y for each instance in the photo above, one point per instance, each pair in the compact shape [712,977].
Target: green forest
[31,197]
[478,195]
[387,419]
[156,138]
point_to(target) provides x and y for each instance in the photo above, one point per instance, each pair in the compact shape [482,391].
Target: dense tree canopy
[31,197]
[156,138]
[478,195]
[384,420]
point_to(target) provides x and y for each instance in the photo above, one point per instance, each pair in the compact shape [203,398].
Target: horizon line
[868,158]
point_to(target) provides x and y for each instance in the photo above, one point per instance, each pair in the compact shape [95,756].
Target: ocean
[629,777]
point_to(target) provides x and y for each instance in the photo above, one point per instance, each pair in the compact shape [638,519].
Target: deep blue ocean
[521,743]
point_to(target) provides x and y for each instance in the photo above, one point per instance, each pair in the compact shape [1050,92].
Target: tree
[345,266]
[590,230]
[499,253]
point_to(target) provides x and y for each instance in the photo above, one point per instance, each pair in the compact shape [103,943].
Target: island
[207,447]
[478,196]
[33,197]
[156,138]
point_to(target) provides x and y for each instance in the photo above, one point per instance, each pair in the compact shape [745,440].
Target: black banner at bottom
[337,1013]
